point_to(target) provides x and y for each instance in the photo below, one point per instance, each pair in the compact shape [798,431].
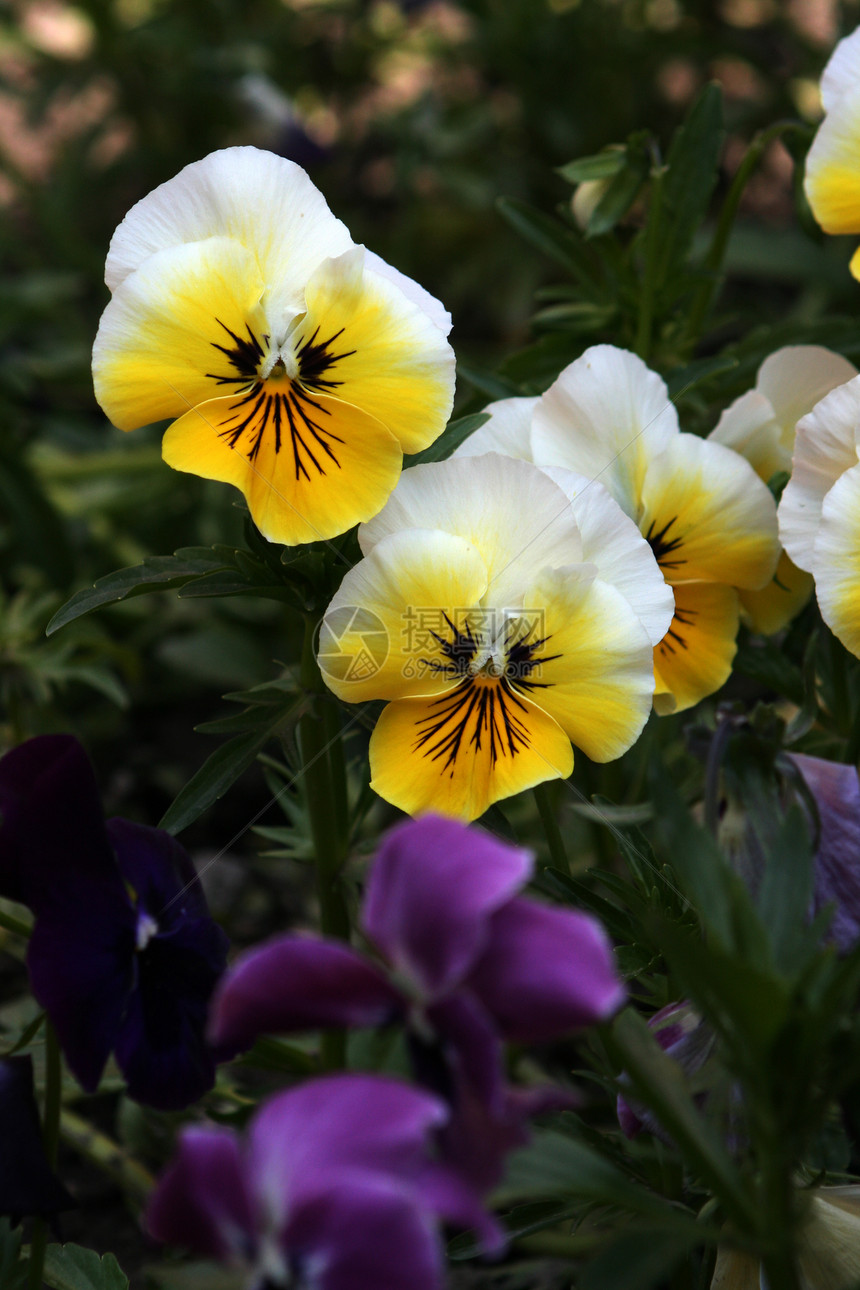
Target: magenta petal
[201,1201]
[364,1232]
[298,983]
[363,1122]
[431,891]
[836,790]
[545,972]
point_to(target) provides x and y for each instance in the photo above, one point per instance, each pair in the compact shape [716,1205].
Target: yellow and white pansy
[760,425]
[819,514]
[832,182]
[507,635]
[708,518]
[294,364]
[827,1243]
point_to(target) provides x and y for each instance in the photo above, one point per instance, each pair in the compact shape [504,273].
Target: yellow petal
[593,669]
[394,362]
[695,656]
[389,630]
[309,467]
[832,182]
[708,516]
[461,751]
[773,607]
[183,328]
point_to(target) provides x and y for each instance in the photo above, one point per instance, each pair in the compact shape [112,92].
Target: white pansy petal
[832,181]
[795,377]
[824,448]
[612,542]
[605,417]
[508,430]
[842,72]
[263,201]
[433,308]
[513,513]
[749,426]
[836,561]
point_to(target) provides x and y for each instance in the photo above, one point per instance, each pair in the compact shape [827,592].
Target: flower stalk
[50,1138]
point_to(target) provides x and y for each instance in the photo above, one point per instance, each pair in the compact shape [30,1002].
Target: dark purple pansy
[28,1185]
[469,963]
[123,956]
[683,1036]
[836,875]
[333,1189]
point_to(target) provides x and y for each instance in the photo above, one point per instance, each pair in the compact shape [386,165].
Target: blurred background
[413,118]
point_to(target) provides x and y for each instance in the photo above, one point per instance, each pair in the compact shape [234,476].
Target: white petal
[433,308]
[842,72]
[516,517]
[749,426]
[263,201]
[832,179]
[605,417]
[508,431]
[836,560]
[794,378]
[612,542]
[823,449]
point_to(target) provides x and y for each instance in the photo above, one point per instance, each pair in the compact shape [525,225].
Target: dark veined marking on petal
[457,653]
[662,545]
[490,707]
[681,618]
[315,359]
[243,356]
[522,657]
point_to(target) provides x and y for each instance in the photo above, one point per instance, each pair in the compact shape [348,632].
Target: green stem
[549,820]
[337,766]
[50,1139]
[704,298]
[328,832]
[106,1155]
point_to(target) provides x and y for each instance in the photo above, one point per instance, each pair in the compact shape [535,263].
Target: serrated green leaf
[602,165]
[786,890]
[683,379]
[692,169]
[558,241]
[766,663]
[157,573]
[71,1267]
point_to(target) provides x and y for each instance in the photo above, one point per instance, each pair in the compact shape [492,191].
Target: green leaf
[455,434]
[766,663]
[221,770]
[786,891]
[639,1260]
[659,1082]
[692,169]
[602,165]
[70,1267]
[684,379]
[13,1272]
[558,241]
[554,1165]
[34,525]
[157,573]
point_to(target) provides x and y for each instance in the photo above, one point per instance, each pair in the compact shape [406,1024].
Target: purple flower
[683,1036]
[469,964]
[836,874]
[27,1183]
[123,956]
[334,1189]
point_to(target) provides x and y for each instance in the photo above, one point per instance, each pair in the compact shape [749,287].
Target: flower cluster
[123,955]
